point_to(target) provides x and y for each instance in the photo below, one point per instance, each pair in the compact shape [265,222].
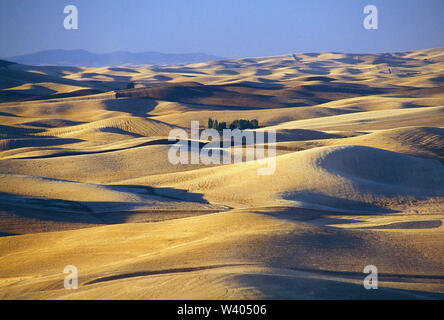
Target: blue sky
[228,28]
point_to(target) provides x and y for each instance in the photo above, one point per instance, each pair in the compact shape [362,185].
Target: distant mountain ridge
[88,59]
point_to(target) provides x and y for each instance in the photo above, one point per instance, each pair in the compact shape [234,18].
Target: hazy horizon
[228,29]
[210,54]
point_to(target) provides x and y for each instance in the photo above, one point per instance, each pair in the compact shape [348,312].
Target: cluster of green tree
[214,124]
[236,124]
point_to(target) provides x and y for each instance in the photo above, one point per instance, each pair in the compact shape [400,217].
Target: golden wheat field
[85,180]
